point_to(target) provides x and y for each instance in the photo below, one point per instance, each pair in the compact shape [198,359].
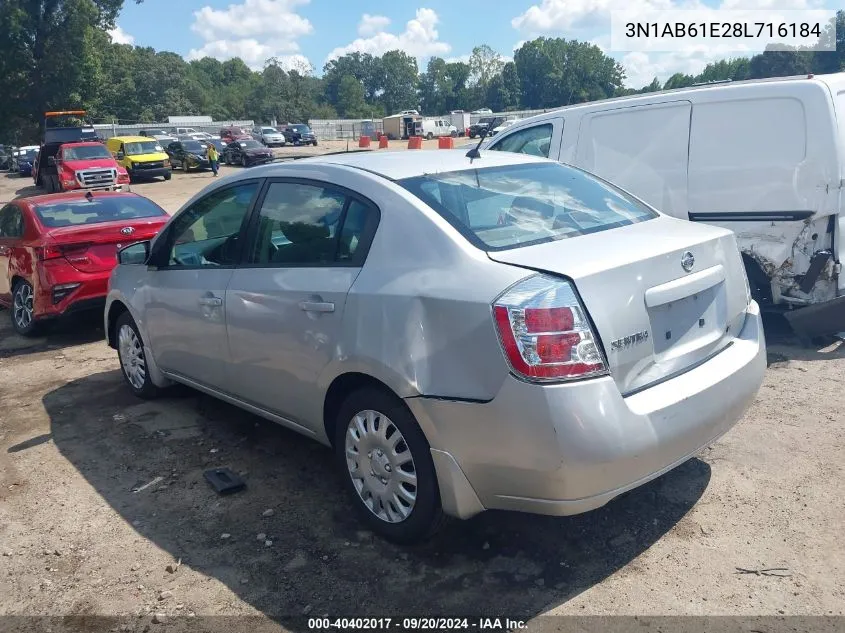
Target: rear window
[111,209]
[499,208]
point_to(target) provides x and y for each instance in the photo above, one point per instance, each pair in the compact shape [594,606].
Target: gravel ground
[103,509]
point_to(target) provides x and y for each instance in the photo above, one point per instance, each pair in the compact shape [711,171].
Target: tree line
[57,54]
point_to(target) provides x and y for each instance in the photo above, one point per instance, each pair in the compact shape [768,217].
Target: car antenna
[474,153]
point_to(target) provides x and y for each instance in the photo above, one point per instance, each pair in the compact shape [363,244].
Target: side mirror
[137,253]
[120,155]
[51,161]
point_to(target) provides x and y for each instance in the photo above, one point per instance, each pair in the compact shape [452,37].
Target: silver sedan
[505,332]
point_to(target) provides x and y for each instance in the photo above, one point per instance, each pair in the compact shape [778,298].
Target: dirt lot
[101,493]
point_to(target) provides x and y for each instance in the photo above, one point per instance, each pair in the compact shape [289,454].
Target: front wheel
[133,361]
[185,167]
[168,176]
[23,311]
[315,143]
[429,136]
[386,465]
[243,161]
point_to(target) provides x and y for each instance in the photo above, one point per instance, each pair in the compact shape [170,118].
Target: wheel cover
[381,466]
[131,353]
[23,306]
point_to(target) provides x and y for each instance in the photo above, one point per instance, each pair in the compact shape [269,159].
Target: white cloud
[372,24]
[119,36]
[459,58]
[556,16]
[253,30]
[419,39]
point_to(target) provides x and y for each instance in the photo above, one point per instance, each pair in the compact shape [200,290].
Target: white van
[763,158]
[438,127]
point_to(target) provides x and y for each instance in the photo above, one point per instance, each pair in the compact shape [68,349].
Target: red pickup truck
[71,158]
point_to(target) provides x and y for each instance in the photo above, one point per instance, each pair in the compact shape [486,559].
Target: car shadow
[74,330]
[147,460]
[28,191]
[783,345]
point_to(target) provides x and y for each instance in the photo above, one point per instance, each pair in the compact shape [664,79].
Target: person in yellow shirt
[213,158]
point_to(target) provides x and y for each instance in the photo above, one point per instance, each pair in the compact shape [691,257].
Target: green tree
[399,81]
[350,99]
[503,90]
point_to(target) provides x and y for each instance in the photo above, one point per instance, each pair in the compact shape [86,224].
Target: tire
[243,162]
[130,348]
[185,167]
[168,176]
[315,143]
[471,135]
[424,516]
[22,312]
[429,136]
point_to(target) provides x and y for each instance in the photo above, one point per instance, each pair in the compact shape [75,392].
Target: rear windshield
[111,209]
[301,128]
[142,147]
[86,152]
[250,144]
[193,146]
[498,208]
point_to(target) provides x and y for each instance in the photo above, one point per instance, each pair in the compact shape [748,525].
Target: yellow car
[143,157]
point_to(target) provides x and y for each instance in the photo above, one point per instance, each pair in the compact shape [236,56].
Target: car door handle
[317,306]
[214,302]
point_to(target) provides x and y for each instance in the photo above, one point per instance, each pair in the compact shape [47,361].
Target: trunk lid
[92,248]
[653,317]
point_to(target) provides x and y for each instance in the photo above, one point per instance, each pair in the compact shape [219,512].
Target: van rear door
[839,236]
[642,149]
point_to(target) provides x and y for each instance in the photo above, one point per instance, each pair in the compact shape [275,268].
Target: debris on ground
[148,484]
[781,572]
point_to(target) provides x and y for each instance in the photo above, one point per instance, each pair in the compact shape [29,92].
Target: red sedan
[57,251]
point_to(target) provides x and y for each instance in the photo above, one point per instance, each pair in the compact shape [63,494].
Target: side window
[207,234]
[535,140]
[310,225]
[11,221]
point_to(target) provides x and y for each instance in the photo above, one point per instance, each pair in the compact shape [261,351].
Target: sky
[315,31]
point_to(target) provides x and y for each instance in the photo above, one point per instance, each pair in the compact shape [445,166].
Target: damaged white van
[763,158]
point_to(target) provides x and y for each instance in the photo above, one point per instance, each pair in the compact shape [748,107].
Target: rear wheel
[386,465]
[243,161]
[23,312]
[133,361]
[429,136]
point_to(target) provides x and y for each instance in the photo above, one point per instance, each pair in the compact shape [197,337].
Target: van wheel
[429,136]
[133,361]
[385,462]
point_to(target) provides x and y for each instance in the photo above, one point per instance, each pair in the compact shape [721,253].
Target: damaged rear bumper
[819,319]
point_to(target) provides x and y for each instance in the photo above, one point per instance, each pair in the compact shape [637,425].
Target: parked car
[299,134]
[234,133]
[163,137]
[502,126]
[246,152]
[581,344]
[143,157]
[5,159]
[25,159]
[188,154]
[484,123]
[57,251]
[220,145]
[708,154]
[438,127]
[269,136]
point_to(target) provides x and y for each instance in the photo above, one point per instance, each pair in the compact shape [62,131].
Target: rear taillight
[73,252]
[545,332]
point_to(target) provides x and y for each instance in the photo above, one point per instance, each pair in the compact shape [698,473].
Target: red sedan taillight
[545,333]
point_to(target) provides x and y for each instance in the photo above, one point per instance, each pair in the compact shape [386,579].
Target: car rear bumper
[90,294]
[569,448]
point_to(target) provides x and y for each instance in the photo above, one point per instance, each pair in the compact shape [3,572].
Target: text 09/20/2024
[420,624]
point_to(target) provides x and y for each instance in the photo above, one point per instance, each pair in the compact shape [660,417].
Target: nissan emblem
[687,261]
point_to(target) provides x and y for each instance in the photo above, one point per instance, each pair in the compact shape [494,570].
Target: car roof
[408,164]
[76,195]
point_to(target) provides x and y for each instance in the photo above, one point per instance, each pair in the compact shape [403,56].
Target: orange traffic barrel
[445,142]
[382,142]
[415,142]
[364,141]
